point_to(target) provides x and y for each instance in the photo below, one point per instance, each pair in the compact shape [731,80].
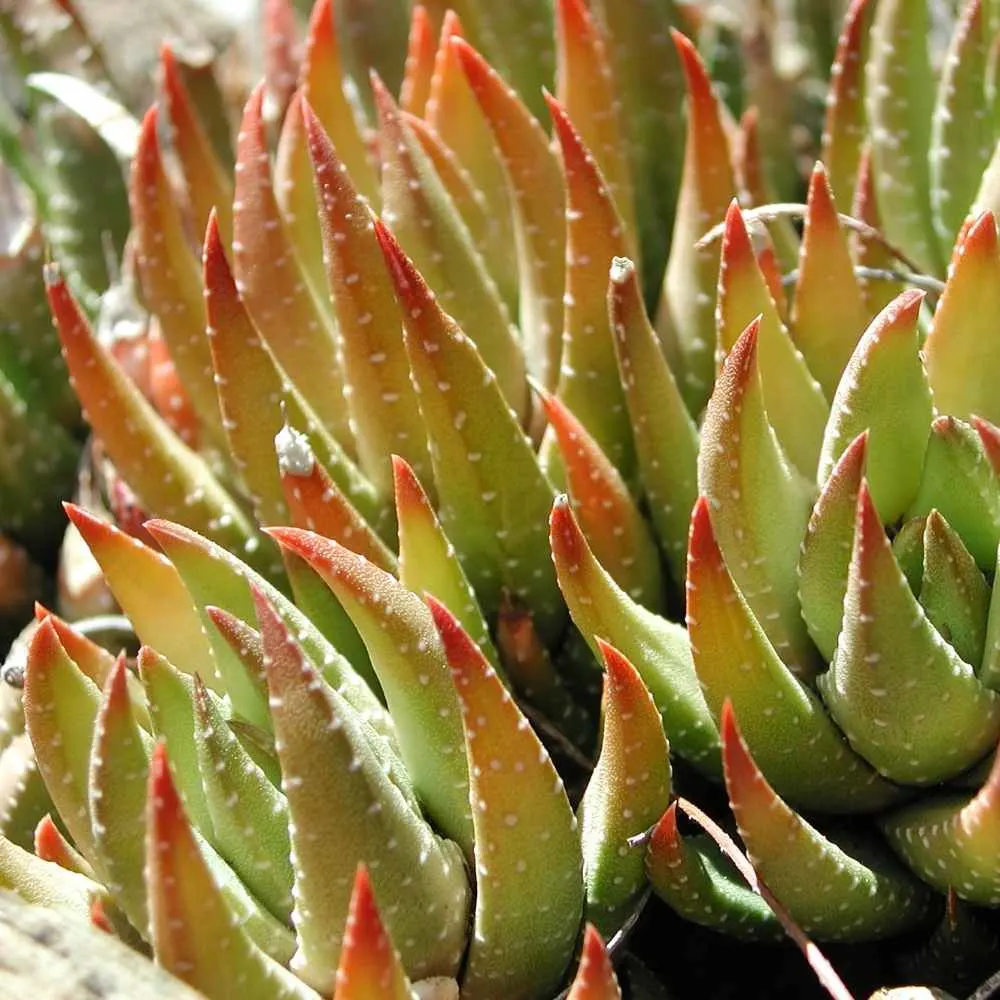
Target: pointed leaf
[420,52]
[686,317]
[427,224]
[884,390]
[825,556]
[960,355]
[536,193]
[658,649]
[249,815]
[610,518]
[165,474]
[42,883]
[876,293]
[492,493]
[760,504]
[427,560]
[382,402]
[962,137]
[588,377]
[119,761]
[666,438]
[325,758]
[528,864]
[628,791]
[195,933]
[794,401]
[845,898]
[829,315]
[951,840]
[953,592]
[271,284]
[799,749]
[399,634]
[595,976]
[900,693]
[899,97]
[168,272]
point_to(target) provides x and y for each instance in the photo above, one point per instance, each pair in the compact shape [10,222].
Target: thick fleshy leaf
[794,401]
[407,657]
[825,556]
[658,649]
[797,746]
[907,547]
[650,85]
[171,705]
[94,661]
[492,493]
[168,271]
[845,126]
[962,485]
[45,884]
[454,113]
[528,862]
[60,711]
[427,224]
[370,967]
[588,376]
[428,563]
[586,88]
[962,135]
[876,293]
[247,383]
[51,845]
[322,86]
[195,933]
[701,884]
[627,793]
[686,317]
[207,182]
[951,840]
[829,315]
[218,579]
[903,697]
[595,976]
[846,897]
[119,762]
[420,52]
[953,592]
[760,503]
[960,354]
[272,286]
[151,593]
[167,476]
[325,758]
[884,390]
[989,672]
[249,815]
[281,53]
[381,401]
[610,518]
[538,199]
[899,95]
[666,438]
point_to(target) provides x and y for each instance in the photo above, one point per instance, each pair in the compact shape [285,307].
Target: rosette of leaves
[358,356]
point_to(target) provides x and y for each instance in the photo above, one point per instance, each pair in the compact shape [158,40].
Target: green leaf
[850,895]
[195,933]
[325,758]
[884,390]
[493,496]
[903,697]
[627,793]
[658,649]
[798,748]
[528,862]
[407,657]
[760,503]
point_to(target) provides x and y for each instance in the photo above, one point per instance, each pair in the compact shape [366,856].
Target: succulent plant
[412,502]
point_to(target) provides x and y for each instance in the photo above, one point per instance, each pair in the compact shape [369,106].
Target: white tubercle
[295,454]
[621,270]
